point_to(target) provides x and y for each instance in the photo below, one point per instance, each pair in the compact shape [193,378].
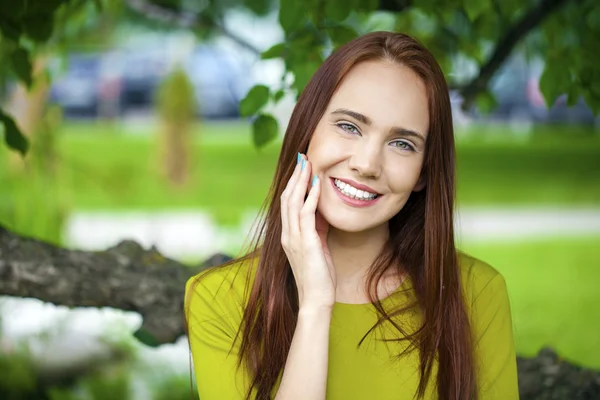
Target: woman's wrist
[315,310]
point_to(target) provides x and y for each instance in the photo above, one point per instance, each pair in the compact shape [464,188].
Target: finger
[296,199]
[285,200]
[308,212]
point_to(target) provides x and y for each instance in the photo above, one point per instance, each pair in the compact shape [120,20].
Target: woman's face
[373,134]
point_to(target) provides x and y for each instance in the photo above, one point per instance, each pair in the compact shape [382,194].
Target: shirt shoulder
[488,304]
[477,276]
[221,291]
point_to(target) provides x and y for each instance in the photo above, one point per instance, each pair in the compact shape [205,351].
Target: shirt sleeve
[211,335]
[494,342]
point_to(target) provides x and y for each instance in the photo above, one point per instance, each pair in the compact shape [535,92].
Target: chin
[346,222]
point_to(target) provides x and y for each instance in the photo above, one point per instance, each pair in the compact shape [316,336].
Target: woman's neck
[352,254]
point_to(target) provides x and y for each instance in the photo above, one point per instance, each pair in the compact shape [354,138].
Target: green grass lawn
[553,287]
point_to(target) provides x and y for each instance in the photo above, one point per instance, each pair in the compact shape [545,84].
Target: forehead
[388,93]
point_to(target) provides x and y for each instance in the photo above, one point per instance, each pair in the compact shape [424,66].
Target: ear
[421,183]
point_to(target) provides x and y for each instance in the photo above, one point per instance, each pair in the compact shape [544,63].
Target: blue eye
[348,127]
[402,145]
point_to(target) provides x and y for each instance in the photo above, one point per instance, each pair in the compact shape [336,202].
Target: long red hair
[421,240]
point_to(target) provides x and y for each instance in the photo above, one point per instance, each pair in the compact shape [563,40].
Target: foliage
[16,378]
[484,33]
[33,27]
[21,209]
[175,387]
[20,30]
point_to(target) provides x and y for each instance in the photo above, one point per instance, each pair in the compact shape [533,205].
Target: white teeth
[353,192]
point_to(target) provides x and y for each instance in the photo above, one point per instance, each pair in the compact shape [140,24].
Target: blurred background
[161,121]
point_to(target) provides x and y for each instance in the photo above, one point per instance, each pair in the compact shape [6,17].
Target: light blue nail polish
[299,158]
[303,163]
[314,181]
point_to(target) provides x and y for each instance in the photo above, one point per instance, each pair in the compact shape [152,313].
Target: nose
[366,159]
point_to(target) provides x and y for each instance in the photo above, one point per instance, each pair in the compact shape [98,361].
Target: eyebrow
[367,121]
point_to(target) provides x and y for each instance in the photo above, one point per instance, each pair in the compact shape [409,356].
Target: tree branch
[186,19]
[125,277]
[504,47]
[394,5]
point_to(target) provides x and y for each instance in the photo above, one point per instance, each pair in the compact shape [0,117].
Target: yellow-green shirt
[370,371]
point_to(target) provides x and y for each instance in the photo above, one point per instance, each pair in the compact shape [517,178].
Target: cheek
[325,148]
[404,176]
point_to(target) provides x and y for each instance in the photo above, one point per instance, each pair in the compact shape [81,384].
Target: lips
[359,186]
[353,201]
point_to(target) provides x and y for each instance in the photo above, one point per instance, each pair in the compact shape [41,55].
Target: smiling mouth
[354,193]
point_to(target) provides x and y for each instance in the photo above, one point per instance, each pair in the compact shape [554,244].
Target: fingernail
[303,163]
[314,181]
[299,158]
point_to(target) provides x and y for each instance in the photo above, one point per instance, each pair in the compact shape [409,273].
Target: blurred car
[113,83]
[220,82]
[516,89]
[141,73]
[76,90]
[86,85]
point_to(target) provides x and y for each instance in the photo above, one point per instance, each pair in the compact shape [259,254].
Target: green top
[366,372]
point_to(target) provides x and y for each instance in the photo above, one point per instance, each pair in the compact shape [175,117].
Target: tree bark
[504,47]
[125,277]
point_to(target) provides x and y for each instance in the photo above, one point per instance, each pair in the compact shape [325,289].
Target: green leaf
[10,29]
[275,51]
[278,95]
[595,86]
[13,137]
[474,8]
[19,7]
[341,34]
[366,5]
[291,15]
[264,130]
[486,102]
[256,99]
[258,7]
[303,73]
[573,95]
[338,10]
[593,18]
[21,65]
[146,338]
[592,101]
[555,80]
[99,6]
[38,27]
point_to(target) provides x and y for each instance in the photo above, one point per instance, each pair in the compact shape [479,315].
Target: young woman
[353,288]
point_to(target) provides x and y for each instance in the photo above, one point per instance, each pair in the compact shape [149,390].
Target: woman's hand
[304,239]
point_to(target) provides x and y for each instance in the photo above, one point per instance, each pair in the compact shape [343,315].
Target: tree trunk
[29,105]
[175,148]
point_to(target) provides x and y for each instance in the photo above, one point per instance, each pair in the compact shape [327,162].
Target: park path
[193,233]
